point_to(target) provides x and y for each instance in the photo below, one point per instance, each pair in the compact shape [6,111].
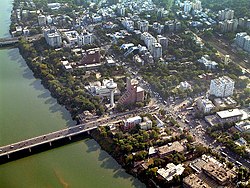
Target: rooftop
[170,171]
[218,172]
[229,113]
[195,182]
[175,146]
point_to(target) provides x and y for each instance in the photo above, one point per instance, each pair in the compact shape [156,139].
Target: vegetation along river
[27,110]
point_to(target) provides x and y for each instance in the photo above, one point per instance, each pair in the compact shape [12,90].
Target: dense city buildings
[158,83]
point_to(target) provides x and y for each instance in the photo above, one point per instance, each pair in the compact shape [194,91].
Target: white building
[246,46]
[231,115]
[208,63]
[41,20]
[53,37]
[222,87]
[187,6]
[71,37]
[185,85]
[49,19]
[128,24]
[146,124]
[170,171]
[226,14]
[143,25]
[85,38]
[133,121]
[205,105]
[149,40]
[196,5]
[96,18]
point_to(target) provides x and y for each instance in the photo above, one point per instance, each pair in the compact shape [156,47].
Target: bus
[190,108]
[223,154]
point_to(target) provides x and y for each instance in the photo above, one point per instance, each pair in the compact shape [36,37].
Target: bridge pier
[88,132]
[50,143]
[30,150]
[8,156]
[69,137]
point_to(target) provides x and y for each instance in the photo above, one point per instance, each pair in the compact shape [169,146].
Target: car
[11,146]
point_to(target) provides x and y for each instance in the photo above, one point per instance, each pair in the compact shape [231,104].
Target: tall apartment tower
[222,87]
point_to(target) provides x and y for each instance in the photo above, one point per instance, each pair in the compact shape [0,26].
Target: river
[27,110]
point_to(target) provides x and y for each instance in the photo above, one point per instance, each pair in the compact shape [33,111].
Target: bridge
[61,137]
[8,41]
[44,142]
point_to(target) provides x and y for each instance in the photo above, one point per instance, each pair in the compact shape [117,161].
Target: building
[193,181]
[170,148]
[149,40]
[243,41]
[226,14]
[221,175]
[240,39]
[85,38]
[163,41]
[185,85]
[246,46]
[205,105]
[228,25]
[143,25]
[91,56]
[133,93]
[157,51]
[207,62]
[243,126]
[187,6]
[222,87]
[146,124]
[41,20]
[170,171]
[53,37]
[100,88]
[54,6]
[71,37]
[196,5]
[231,115]
[128,24]
[131,122]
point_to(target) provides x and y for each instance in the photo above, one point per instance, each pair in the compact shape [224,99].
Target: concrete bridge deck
[45,139]
[48,141]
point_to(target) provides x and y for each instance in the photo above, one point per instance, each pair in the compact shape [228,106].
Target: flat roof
[195,182]
[229,113]
[175,146]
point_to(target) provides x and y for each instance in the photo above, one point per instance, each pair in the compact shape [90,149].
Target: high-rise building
[187,6]
[246,46]
[196,5]
[226,14]
[157,51]
[143,25]
[163,41]
[222,87]
[240,39]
